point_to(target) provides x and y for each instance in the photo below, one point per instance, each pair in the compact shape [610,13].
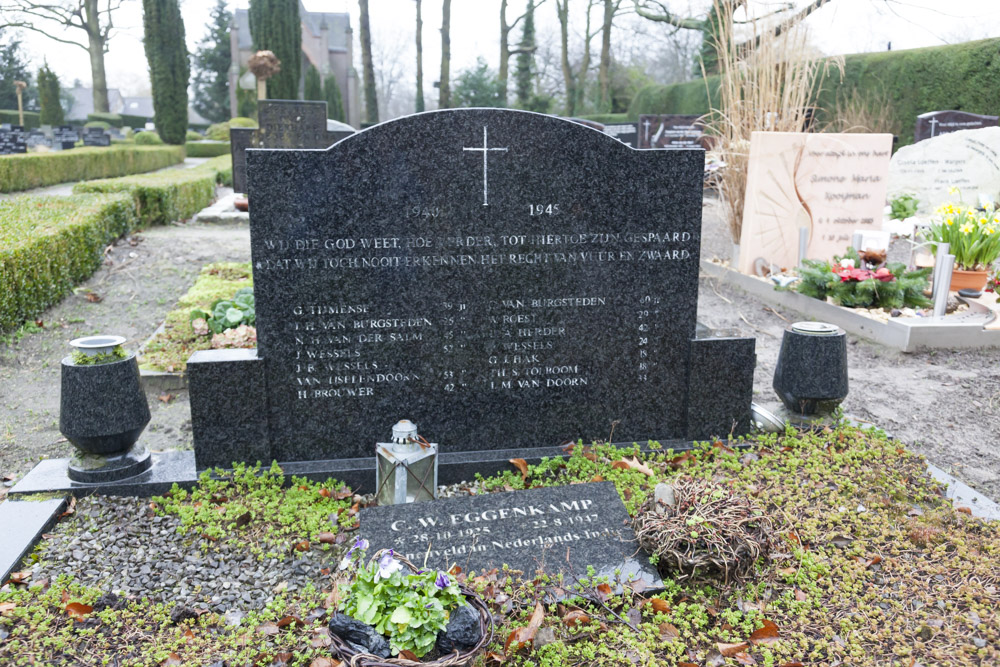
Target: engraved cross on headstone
[933,123]
[485,149]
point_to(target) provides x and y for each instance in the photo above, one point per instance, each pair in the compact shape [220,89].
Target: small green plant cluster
[409,608]
[32,170]
[227,313]
[220,131]
[891,286]
[201,148]
[973,234]
[248,505]
[170,349]
[903,206]
[117,353]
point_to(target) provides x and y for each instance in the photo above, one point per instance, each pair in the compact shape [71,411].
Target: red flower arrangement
[859,275]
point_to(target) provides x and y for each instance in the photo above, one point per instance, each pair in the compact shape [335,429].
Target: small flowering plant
[408,608]
[973,232]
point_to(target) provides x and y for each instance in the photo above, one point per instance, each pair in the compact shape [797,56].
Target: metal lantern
[406,469]
[810,376]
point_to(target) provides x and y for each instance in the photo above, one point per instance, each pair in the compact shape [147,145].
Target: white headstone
[968,160]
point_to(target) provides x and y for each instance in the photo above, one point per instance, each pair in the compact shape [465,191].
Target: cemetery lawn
[873,567]
[169,349]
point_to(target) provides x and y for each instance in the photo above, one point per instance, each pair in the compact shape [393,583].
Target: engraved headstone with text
[830,185]
[968,160]
[561,529]
[96,136]
[502,278]
[671,131]
[13,139]
[627,133]
[281,124]
[936,123]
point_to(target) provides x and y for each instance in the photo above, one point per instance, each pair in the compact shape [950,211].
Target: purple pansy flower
[442,581]
[387,566]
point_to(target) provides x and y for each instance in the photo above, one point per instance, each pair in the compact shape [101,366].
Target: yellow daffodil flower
[966,228]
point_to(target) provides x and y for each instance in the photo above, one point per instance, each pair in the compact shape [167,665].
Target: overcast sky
[843,26]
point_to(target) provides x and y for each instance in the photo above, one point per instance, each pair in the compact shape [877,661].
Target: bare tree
[388,60]
[93,17]
[505,51]
[371,97]
[604,71]
[573,77]
[420,61]
[444,85]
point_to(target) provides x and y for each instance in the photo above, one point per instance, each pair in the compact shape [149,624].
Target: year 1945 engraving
[543,209]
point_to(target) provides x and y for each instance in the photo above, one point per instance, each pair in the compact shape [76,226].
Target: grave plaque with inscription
[671,131]
[562,529]
[830,185]
[96,136]
[282,124]
[968,160]
[627,133]
[936,123]
[502,278]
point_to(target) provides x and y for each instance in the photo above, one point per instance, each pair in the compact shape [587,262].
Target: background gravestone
[13,139]
[627,133]
[671,131]
[936,123]
[504,279]
[968,160]
[283,124]
[65,137]
[96,136]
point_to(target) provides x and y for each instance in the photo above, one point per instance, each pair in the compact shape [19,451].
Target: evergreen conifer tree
[48,96]
[212,61]
[169,69]
[313,87]
[334,100]
[275,26]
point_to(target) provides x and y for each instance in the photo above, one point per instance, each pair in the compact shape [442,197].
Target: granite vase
[810,376]
[102,407]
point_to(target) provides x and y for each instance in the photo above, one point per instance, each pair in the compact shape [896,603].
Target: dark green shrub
[275,26]
[148,138]
[313,89]
[33,170]
[31,118]
[206,148]
[112,119]
[48,97]
[193,136]
[49,244]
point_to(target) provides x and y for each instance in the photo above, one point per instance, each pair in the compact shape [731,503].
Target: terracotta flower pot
[968,280]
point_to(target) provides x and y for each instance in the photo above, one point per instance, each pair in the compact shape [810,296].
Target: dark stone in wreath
[462,632]
[362,637]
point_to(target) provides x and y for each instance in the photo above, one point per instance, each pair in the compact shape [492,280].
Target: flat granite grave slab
[560,529]
[22,523]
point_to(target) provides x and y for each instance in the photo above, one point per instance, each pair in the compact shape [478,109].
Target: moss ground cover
[170,349]
[34,170]
[48,244]
[874,567]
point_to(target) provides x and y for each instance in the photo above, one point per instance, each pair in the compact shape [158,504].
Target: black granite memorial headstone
[282,124]
[505,279]
[671,131]
[560,529]
[13,139]
[934,123]
[627,133]
[96,136]
[65,137]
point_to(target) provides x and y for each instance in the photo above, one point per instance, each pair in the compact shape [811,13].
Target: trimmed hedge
[163,197]
[223,168]
[958,77]
[207,148]
[32,119]
[33,170]
[112,119]
[49,244]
